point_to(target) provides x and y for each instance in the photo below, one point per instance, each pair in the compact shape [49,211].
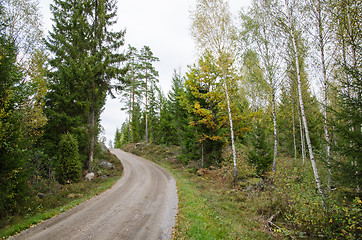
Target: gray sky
[161,24]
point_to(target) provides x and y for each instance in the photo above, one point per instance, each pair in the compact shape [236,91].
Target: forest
[275,95]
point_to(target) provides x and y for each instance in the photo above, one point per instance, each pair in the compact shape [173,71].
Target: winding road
[141,205]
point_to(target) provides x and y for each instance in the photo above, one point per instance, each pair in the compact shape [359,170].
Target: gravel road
[141,205]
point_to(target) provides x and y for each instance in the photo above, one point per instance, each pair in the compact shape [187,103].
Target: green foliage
[84,59]
[348,105]
[69,166]
[12,138]
[303,212]
[260,154]
[117,139]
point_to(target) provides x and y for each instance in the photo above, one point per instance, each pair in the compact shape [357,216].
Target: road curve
[141,205]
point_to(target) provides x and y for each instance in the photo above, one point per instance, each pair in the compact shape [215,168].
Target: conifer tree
[149,76]
[348,34]
[177,113]
[84,60]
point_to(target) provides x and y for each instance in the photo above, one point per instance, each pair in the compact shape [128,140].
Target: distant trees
[142,78]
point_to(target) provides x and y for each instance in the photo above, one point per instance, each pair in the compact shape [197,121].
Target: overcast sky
[163,25]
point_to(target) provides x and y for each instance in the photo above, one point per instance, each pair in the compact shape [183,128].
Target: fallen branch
[270,223]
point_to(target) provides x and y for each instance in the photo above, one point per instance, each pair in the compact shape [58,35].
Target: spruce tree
[84,61]
[69,167]
[348,33]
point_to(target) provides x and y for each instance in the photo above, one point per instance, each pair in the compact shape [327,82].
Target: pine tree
[148,75]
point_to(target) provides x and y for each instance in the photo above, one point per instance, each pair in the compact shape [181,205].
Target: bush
[69,166]
[303,211]
[260,154]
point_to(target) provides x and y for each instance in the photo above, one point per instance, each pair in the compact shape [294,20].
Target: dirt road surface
[141,205]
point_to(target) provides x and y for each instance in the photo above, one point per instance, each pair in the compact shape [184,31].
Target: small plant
[69,167]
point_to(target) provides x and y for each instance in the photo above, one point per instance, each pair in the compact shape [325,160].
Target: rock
[74,195]
[41,195]
[106,165]
[140,145]
[89,176]
[103,147]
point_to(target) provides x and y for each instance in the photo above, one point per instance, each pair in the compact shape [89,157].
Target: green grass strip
[195,219]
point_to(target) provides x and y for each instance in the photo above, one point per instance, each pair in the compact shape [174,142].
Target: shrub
[69,167]
[260,154]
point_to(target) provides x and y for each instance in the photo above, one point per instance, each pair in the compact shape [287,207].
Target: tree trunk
[133,89]
[315,170]
[325,100]
[302,138]
[294,135]
[202,154]
[91,148]
[322,42]
[92,108]
[275,133]
[231,132]
[129,117]
[146,108]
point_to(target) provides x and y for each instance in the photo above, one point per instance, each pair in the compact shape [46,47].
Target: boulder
[106,165]
[41,195]
[103,147]
[138,145]
[89,176]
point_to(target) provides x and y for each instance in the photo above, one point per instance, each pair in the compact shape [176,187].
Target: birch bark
[305,123]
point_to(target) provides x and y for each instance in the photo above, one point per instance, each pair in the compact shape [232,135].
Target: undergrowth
[280,205]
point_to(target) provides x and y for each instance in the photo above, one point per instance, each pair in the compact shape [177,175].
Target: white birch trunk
[325,100]
[325,86]
[92,141]
[302,138]
[129,117]
[314,165]
[295,48]
[231,131]
[275,132]
[294,135]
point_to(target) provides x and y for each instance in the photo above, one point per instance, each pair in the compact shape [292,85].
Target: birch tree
[321,37]
[213,30]
[24,26]
[259,25]
[288,18]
